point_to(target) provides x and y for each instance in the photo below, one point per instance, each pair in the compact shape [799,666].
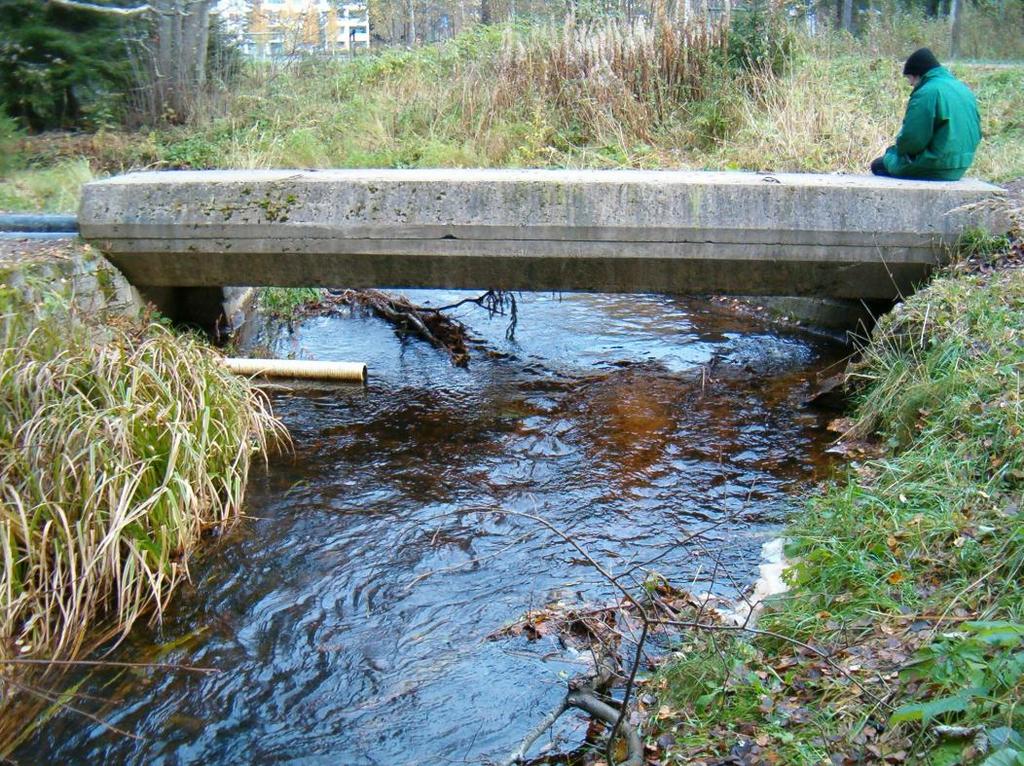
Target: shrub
[9,135]
[760,39]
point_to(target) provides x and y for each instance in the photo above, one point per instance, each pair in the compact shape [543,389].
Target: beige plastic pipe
[297,368]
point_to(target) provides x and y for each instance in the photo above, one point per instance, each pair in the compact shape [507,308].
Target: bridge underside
[609,231]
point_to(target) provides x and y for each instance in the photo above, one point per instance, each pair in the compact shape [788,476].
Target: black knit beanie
[920,61]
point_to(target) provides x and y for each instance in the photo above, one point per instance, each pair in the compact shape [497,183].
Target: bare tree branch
[635,752]
[549,720]
[107,9]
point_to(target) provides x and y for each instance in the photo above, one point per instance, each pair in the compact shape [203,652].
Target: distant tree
[171,58]
[60,67]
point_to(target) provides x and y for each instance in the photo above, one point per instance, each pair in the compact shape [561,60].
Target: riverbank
[114,465]
[900,639]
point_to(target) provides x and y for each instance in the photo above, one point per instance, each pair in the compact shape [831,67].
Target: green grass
[599,96]
[113,465]
[908,568]
[286,302]
[51,189]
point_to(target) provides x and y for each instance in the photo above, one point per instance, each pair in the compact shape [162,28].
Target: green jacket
[940,132]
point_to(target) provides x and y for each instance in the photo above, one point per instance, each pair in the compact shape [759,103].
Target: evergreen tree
[60,67]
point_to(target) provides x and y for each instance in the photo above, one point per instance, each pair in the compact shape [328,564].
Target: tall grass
[611,80]
[120,446]
[495,97]
[759,95]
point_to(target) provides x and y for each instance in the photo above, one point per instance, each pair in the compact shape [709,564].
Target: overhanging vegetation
[121,444]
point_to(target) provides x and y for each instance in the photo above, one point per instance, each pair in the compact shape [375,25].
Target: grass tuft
[53,189]
[120,446]
[287,302]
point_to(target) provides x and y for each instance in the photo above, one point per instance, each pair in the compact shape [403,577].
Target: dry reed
[120,445]
[611,76]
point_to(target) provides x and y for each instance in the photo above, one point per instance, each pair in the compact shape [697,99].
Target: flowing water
[350,613]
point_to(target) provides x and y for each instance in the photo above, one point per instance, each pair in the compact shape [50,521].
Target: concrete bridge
[174,233]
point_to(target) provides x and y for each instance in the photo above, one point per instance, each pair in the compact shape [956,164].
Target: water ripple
[350,614]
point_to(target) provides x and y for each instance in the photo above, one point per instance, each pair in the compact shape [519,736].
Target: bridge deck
[615,231]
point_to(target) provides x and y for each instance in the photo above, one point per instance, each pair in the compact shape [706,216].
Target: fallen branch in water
[58,700]
[494,302]
[435,328]
[655,606]
[427,322]
[585,693]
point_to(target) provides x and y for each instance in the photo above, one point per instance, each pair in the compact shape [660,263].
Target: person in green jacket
[941,128]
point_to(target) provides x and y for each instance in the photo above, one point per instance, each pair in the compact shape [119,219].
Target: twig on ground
[48,697]
[109,664]
[823,655]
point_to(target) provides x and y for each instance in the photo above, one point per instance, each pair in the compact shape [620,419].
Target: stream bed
[350,613]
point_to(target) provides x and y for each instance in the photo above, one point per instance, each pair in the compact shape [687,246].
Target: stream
[350,613]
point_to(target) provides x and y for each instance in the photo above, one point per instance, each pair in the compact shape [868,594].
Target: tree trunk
[203,48]
[955,19]
[179,71]
[848,16]
[410,32]
[175,58]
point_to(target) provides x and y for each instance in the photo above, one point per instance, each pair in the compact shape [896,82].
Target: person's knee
[878,167]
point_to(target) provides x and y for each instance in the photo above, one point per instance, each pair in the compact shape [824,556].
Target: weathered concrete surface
[72,270]
[614,231]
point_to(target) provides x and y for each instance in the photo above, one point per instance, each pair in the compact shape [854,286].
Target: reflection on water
[349,613]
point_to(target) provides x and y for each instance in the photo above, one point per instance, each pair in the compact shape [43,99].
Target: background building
[282,28]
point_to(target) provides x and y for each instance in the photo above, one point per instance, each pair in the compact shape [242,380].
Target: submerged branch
[428,322]
[107,664]
[47,696]
[438,330]
[584,694]
[519,754]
